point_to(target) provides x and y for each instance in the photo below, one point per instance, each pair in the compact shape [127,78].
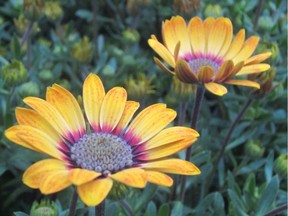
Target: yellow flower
[110,149]
[203,52]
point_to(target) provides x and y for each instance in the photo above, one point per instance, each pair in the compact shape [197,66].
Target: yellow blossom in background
[33,9]
[21,26]
[14,73]
[82,50]
[53,10]
[182,90]
[203,52]
[111,148]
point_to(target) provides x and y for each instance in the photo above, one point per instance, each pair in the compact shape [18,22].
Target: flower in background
[82,50]
[186,6]
[44,208]
[14,73]
[181,90]
[110,149]
[33,9]
[53,10]
[203,52]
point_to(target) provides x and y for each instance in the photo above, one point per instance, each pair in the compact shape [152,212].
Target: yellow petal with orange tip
[247,49]
[112,108]
[205,74]
[254,68]
[173,166]
[34,139]
[50,113]
[244,83]
[133,177]
[81,176]
[197,35]
[162,51]
[33,175]
[53,182]
[153,121]
[68,107]
[208,24]
[93,193]
[166,150]
[184,73]
[235,46]
[258,58]
[129,110]
[159,178]
[162,66]
[215,88]
[169,135]
[228,38]
[224,71]
[93,95]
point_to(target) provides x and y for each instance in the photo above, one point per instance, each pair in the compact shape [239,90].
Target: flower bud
[213,10]
[33,9]
[133,6]
[53,11]
[181,90]
[44,208]
[281,164]
[29,89]
[131,35]
[118,191]
[265,23]
[271,47]
[21,25]
[186,6]
[82,50]
[254,149]
[65,84]
[45,75]
[14,73]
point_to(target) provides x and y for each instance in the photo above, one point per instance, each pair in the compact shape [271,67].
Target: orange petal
[224,71]
[170,135]
[162,66]
[159,178]
[216,88]
[174,166]
[197,35]
[235,46]
[254,68]
[247,49]
[244,83]
[93,95]
[33,175]
[68,107]
[258,58]
[129,110]
[34,139]
[205,74]
[53,182]
[93,193]
[185,73]
[148,123]
[112,108]
[162,51]
[228,38]
[134,177]
[81,176]
[49,112]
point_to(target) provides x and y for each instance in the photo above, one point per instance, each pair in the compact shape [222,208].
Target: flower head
[203,52]
[111,148]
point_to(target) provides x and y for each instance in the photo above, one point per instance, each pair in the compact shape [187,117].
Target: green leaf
[269,166]
[146,196]
[237,203]
[85,14]
[251,167]
[20,214]
[268,196]
[164,210]
[151,209]
[177,209]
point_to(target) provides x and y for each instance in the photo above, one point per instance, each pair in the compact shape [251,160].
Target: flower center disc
[102,152]
[196,64]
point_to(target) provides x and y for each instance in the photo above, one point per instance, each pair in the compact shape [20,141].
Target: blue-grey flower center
[102,152]
[196,64]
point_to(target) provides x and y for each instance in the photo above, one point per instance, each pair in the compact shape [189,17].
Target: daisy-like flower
[203,52]
[108,149]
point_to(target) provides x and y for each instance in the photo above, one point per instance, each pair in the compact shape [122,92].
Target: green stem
[100,209]
[127,207]
[195,113]
[73,202]
[224,144]
[277,210]
[95,24]
[27,33]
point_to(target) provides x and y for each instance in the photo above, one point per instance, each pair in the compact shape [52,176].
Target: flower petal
[197,35]
[208,23]
[205,74]
[149,122]
[228,38]
[215,88]
[235,46]
[81,176]
[93,95]
[247,49]
[33,175]
[159,178]
[224,71]
[49,112]
[258,58]
[174,166]
[162,51]
[134,177]
[68,107]
[162,66]
[254,68]
[129,110]
[244,83]
[185,73]
[93,193]
[112,108]
[34,139]
[53,182]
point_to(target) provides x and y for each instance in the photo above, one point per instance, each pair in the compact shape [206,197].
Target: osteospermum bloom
[203,52]
[112,147]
